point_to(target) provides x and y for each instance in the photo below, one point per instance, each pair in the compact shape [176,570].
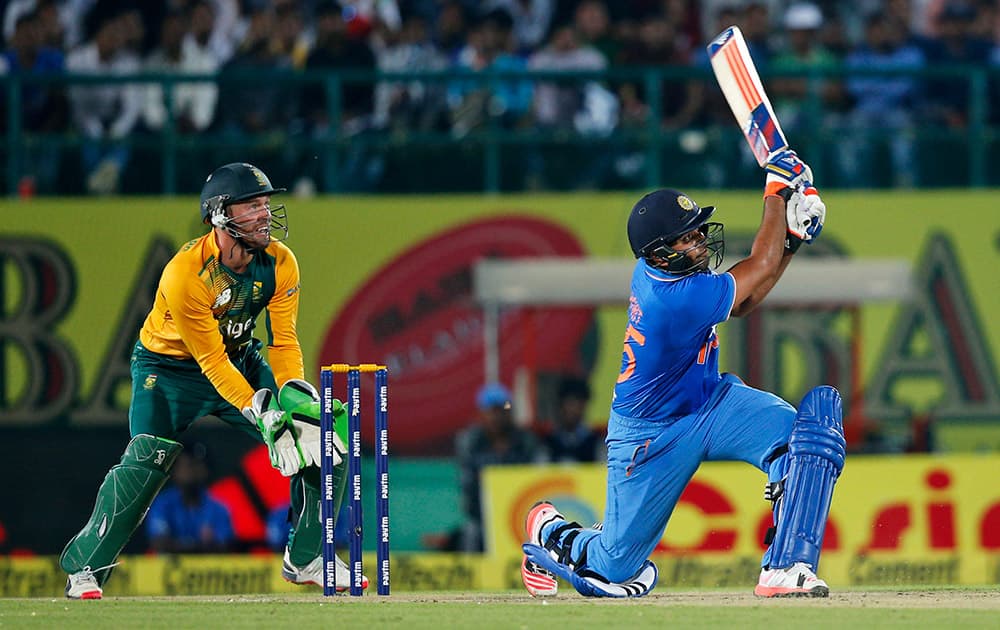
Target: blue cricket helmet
[660,217]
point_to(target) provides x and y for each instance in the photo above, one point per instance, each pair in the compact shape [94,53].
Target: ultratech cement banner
[224,575]
[912,520]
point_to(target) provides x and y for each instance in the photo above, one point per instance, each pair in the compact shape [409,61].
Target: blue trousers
[650,464]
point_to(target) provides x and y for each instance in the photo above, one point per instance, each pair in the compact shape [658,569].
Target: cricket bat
[738,78]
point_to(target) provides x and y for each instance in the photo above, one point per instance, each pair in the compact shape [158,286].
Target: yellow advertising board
[389,279]
[234,574]
[913,520]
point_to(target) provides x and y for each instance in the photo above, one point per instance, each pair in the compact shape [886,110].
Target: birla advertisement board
[390,276]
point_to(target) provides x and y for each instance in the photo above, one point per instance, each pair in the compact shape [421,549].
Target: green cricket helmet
[235,183]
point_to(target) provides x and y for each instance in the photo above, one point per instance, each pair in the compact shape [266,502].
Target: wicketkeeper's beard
[257,241]
[252,240]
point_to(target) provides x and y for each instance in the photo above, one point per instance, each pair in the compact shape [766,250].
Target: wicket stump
[381,414]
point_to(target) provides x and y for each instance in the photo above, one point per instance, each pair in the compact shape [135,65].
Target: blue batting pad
[816,452]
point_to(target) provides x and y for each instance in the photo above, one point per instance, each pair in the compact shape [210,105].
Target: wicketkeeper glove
[302,404]
[276,429]
[805,214]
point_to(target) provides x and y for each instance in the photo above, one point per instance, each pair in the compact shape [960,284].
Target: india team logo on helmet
[685,203]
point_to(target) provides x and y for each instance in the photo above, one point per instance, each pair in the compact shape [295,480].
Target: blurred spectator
[248,106]
[184,518]
[368,12]
[756,26]
[792,96]
[986,25]
[133,27]
[833,36]
[657,45]
[686,16]
[531,20]
[568,437]
[49,22]
[44,108]
[215,29]
[881,104]
[290,39]
[593,29]
[947,99]
[507,100]
[449,29]
[412,105]
[584,107]
[338,48]
[105,113]
[902,12]
[556,104]
[494,439]
[193,104]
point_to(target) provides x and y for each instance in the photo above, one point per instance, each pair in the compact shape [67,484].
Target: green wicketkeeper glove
[302,402]
[276,428]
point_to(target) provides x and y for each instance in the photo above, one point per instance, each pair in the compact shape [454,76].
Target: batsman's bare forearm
[757,274]
[766,287]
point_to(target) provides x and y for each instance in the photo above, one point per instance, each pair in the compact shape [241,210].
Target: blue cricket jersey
[670,362]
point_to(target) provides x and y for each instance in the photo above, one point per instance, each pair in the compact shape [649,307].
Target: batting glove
[276,429]
[805,214]
[786,170]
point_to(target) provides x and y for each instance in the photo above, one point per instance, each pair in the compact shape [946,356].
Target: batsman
[197,356]
[672,409]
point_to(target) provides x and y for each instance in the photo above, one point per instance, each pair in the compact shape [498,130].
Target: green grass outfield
[876,608]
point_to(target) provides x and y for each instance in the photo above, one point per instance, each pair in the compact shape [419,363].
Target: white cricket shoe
[539,582]
[797,580]
[312,573]
[83,585]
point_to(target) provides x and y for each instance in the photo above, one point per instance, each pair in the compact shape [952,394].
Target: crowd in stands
[243,38]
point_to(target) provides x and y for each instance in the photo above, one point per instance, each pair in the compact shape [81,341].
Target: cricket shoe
[540,515]
[312,573]
[540,582]
[797,580]
[83,585]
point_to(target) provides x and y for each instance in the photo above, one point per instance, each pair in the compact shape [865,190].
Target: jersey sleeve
[709,301]
[283,349]
[190,304]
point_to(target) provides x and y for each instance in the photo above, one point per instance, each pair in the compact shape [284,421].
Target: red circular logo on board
[418,315]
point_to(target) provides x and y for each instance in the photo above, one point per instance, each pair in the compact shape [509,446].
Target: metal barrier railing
[712,145]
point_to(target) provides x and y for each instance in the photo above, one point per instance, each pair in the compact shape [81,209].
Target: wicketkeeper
[672,409]
[197,356]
